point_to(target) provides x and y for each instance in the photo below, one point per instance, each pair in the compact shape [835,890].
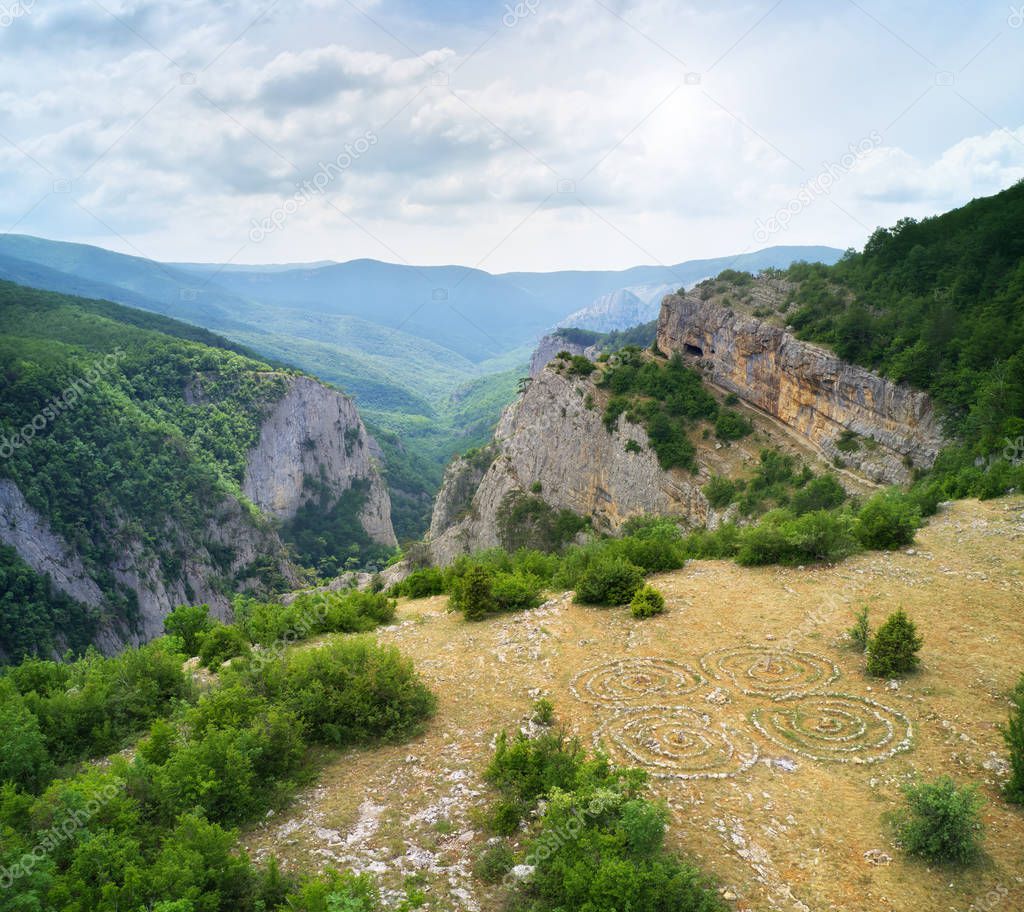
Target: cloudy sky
[541,134]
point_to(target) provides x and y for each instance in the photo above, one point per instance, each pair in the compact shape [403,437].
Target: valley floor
[781,829]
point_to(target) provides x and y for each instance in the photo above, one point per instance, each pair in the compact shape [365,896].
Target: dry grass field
[777,756]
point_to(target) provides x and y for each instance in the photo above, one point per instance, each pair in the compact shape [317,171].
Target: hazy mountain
[429,353]
[620,309]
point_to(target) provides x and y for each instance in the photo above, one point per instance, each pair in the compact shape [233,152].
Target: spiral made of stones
[835,727]
[635,682]
[678,743]
[763,671]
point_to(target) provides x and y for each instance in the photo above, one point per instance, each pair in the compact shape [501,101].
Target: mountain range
[430,354]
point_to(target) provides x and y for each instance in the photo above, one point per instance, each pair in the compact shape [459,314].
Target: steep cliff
[232,550]
[311,434]
[552,443]
[880,428]
[314,434]
[142,470]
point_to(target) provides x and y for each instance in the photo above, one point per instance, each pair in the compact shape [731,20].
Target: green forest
[117,425]
[937,304]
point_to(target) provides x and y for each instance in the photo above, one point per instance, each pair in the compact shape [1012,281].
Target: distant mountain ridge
[428,353]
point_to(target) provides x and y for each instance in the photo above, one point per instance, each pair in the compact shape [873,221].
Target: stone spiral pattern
[836,727]
[650,719]
[760,671]
[635,682]
[679,743]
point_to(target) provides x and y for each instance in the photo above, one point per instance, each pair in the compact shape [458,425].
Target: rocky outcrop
[553,441]
[315,434]
[230,546]
[882,429]
[25,530]
[553,344]
[310,434]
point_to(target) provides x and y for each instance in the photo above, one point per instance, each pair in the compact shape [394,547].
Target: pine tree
[893,649]
[1013,735]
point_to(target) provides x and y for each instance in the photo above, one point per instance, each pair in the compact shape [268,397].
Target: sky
[534,135]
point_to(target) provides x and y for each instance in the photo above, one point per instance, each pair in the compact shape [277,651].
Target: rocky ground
[777,756]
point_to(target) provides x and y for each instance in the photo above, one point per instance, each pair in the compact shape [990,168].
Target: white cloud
[661,167]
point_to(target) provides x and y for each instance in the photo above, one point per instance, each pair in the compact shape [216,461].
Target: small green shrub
[524,769]
[888,520]
[421,583]
[609,581]
[473,594]
[848,442]
[515,591]
[720,491]
[350,692]
[543,711]
[581,366]
[894,647]
[822,493]
[189,622]
[1013,735]
[633,447]
[860,632]
[334,892]
[941,822]
[647,602]
[781,538]
[494,862]
[732,425]
[220,643]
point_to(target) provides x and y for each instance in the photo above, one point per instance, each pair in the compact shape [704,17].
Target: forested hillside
[938,304]
[104,436]
[125,438]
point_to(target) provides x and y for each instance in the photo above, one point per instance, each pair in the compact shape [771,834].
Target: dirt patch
[776,755]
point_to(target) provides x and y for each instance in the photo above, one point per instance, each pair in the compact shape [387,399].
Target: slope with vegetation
[935,304]
[429,814]
[153,828]
[127,439]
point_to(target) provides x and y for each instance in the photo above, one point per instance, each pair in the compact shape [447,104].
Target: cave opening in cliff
[693,349]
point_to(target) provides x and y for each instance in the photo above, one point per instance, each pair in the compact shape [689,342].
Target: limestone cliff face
[311,432]
[316,433]
[549,346]
[229,546]
[549,436]
[810,390]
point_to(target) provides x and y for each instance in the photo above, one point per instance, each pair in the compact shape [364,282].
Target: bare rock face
[807,388]
[29,533]
[316,433]
[550,437]
[231,542]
